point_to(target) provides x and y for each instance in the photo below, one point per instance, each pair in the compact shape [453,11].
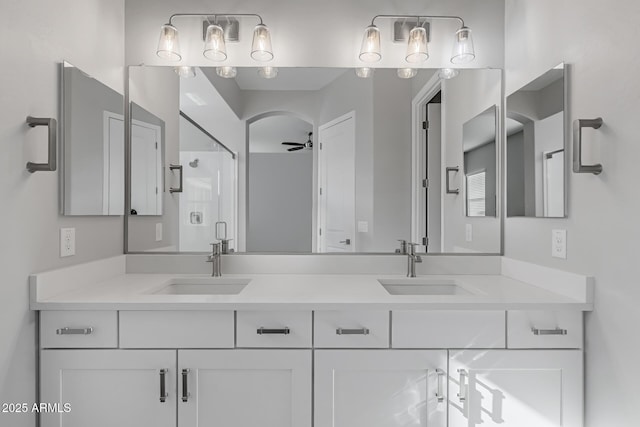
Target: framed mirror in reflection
[536,147]
[93,148]
[317,160]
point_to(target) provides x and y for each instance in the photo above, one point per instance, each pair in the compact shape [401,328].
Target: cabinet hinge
[425,241]
[321,191]
[425,183]
[425,125]
[321,145]
[320,231]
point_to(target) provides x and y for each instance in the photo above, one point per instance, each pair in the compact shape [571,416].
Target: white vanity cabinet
[240,388]
[516,388]
[380,388]
[107,388]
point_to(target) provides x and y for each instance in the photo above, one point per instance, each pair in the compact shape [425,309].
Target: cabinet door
[516,388]
[241,388]
[107,388]
[380,388]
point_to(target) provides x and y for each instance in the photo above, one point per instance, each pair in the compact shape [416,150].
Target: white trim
[428,91]
[159,166]
[106,156]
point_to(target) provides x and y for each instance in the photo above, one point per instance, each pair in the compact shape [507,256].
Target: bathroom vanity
[128,347]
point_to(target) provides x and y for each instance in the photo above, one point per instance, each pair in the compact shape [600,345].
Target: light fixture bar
[214,15]
[418,17]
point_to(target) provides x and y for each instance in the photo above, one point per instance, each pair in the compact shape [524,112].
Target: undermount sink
[203,286]
[423,287]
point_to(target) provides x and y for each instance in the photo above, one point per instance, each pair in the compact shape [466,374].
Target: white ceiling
[545,80]
[479,130]
[288,78]
[266,135]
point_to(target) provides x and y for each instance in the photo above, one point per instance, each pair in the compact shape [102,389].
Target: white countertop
[304,292]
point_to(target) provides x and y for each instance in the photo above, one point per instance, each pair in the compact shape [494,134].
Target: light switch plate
[67,242]
[468,233]
[559,244]
[363,227]
[158,232]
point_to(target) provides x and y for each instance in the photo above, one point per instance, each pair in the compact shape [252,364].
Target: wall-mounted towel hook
[52,124]
[578,124]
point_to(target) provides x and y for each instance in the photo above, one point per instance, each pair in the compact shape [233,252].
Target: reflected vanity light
[364,72]
[407,73]
[214,39]
[268,72]
[418,39]
[185,72]
[227,72]
[448,73]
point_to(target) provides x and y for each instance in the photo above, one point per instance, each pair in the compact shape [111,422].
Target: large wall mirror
[537,147]
[92,149]
[319,160]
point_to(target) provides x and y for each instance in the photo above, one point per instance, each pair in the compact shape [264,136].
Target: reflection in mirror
[323,160]
[147,148]
[479,145]
[93,145]
[536,146]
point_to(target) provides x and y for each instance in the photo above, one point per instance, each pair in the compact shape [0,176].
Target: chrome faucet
[214,259]
[412,259]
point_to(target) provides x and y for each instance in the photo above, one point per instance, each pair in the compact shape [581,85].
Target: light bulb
[268,72]
[261,49]
[407,73]
[168,46]
[463,50]
[370,50]
[417,46]
[214,46]
[364,72]
[227,72]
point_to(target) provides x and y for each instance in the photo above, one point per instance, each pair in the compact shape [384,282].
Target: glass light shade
[268,72]
[448,73]
[168,46]
[407,73]
[417,46]
[463,50]
[261,49]
[370,50]
[185,71]
[214,46]
[364,72]
[227,72]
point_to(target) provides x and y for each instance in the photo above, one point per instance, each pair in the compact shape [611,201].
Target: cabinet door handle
[439,394]
[462,394]
[556,331]
[185,387]
[343,331]
[179,169]
[77,331]
[266,331]
[448,180]
[163,385]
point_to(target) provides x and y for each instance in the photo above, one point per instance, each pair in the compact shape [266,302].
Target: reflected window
[476,194]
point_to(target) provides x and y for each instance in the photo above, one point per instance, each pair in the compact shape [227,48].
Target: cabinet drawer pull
[163,385]
[439,395]
[556,331]
[185,387]
[361,331]
[78,331]
[462,394]
[266,331]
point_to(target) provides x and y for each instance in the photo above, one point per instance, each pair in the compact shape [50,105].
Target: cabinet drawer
[448,329]
[351,329]
[79,329]
[274,329]
[176,329]
[544,329]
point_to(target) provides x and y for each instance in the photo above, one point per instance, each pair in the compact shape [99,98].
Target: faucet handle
[403,247]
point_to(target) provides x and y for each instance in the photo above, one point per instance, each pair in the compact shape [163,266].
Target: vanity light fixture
[185,71]
[417,40]
[364,72]
[227,72]
[407,73]
[268,72]
[214,38]
[448,73]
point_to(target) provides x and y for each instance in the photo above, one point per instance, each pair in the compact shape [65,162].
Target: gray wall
[484,157]
[602,228]
[515,174]
[280,196]
[37,36]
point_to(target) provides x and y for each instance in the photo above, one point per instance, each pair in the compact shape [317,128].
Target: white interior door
[433,205]
[242,388]
[113,176]
[553,173]
[107,388]
[337,185]
[516,388]
[380,388]
[146,168]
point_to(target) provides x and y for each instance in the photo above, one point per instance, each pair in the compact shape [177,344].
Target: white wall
[602,228]
[36,37]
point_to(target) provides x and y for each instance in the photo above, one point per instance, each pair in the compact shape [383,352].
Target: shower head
[194,163]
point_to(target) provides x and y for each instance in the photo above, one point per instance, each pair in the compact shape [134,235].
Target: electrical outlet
[158,232]
[468,233]
[67,242]
[559,244]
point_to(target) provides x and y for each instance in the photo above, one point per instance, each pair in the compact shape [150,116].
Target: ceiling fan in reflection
[299,145]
